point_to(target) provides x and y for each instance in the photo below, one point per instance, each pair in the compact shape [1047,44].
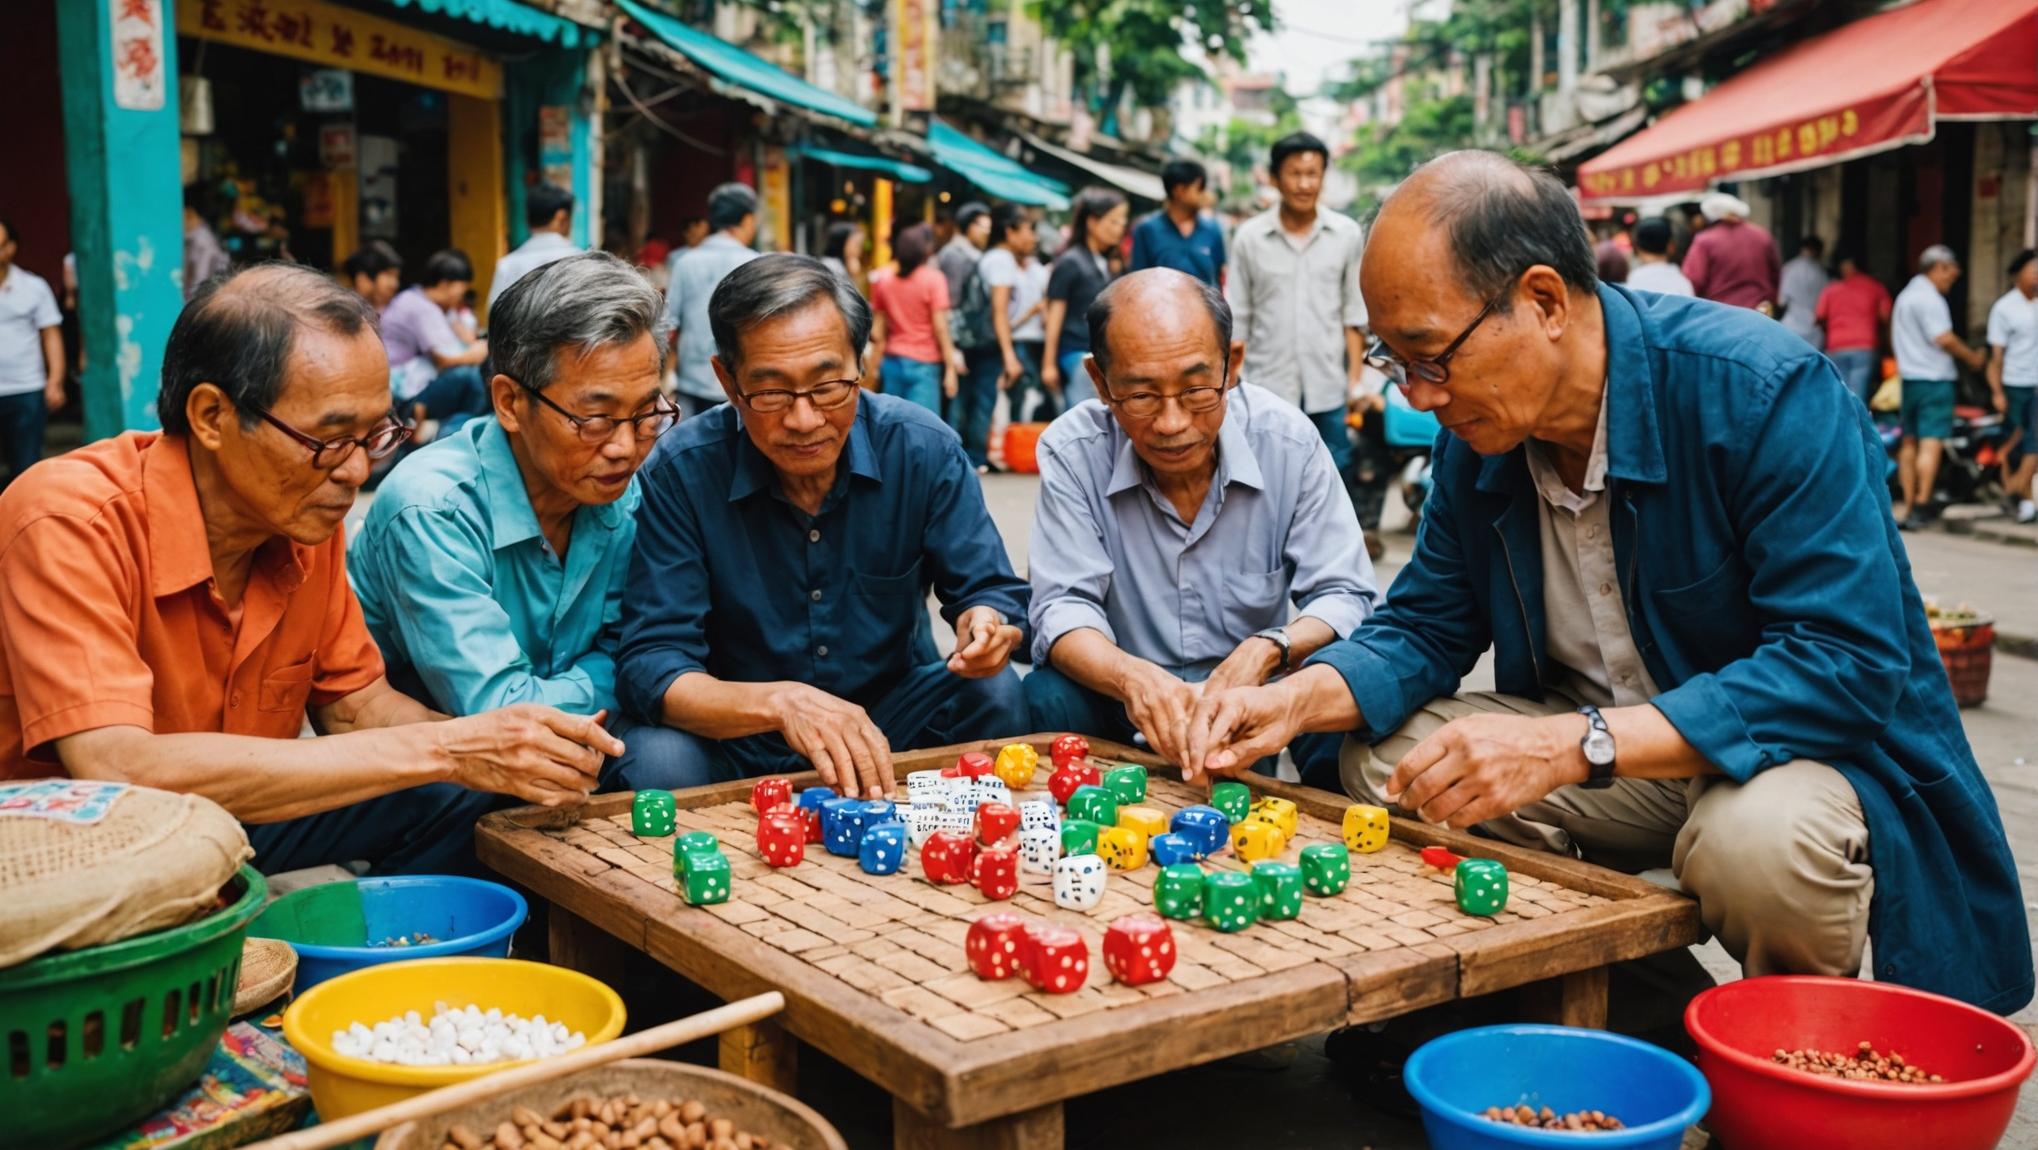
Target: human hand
[1160,706]
[539,754]
[1013,370]
[53,394]
[1050,377]
[1483,766]
[983,643]
[948,383]
[1250,664]
[1234,728]
[838,737]
[1999,401]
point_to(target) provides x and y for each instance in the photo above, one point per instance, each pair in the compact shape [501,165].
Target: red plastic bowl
[1758,1105]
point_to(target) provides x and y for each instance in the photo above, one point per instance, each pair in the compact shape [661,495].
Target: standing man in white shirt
[1921,335]
[2013,377]
[1804,278]
[548,211]
[31,359]
[695,273]
[1653,270]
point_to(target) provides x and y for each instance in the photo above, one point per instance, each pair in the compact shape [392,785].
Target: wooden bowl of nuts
[636,1104]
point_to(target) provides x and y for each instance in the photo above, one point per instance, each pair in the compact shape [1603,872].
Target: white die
[921,823]
[1079,882]
[1039,850]
[958,819]
[989,789]
[926,789]
[1038,813]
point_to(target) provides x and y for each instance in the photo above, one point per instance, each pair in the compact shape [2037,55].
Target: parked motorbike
[1970,466]
[1410,435]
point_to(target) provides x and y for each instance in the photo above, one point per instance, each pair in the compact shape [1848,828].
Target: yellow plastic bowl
[341,1085]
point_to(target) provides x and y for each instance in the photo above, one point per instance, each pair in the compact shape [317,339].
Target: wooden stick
[675,1033]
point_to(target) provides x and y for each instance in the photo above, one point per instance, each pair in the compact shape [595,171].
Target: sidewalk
[1993,565]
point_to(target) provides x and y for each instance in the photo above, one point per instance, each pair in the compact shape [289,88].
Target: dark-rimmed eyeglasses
[382,439]
[1147,404]
[597,429]
[1435,370]
[825,396]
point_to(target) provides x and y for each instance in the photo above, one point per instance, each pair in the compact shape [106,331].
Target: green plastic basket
[98,1038]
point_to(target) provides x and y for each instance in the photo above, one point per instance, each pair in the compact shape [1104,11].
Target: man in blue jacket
[1667,518]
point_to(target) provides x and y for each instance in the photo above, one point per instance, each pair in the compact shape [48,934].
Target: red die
[1139,948]
[996,822]
[782,837]
[974,765]
[994,944]
[1078,773]
[770,794]
[947,856]
[1054,958]
[951,772]
[995,872]
[810,822]
[1067,749]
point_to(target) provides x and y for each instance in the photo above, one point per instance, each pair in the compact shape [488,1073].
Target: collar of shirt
[754,472]
[1550,482]
[510,513]
[541,241]
[179,556]
[1235,460]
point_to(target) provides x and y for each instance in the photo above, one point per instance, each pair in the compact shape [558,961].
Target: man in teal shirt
[490,568]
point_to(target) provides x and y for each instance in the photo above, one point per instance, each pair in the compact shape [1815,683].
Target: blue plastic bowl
[465,916]
[1456,1077]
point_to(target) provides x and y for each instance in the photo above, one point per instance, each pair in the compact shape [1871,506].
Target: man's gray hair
[584,302]
[780,284]
[1935,255]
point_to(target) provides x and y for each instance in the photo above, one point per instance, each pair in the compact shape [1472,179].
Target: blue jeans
[1075,378]
[912,380]
[927,707]
[1045,408]
[1337,435]
[455,395]
[1857,370]
[976,397]
[423,830]
[22,419]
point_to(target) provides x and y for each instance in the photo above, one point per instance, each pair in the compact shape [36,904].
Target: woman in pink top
[909,328]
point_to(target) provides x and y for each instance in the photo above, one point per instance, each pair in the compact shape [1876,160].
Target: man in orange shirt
[171,603]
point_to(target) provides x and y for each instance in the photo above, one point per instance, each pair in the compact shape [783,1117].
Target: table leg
[763,1053]
[1575,999]
[578,944]
[1036,1129]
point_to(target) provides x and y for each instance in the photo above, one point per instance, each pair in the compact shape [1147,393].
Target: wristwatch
[1598,747]
[1278,636]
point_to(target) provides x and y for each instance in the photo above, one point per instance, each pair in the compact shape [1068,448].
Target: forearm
[54,368]
[1002,324]
[721,709]
[1089,657]
[1306,636]
[1646,745]
[1056,312]
[1318,700]
[373,708]
[1355,354]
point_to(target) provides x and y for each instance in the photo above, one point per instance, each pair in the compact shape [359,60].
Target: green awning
[732,64]
[896,169]
[992,171]
[509,16]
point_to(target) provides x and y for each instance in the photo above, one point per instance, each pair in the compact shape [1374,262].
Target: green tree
[1144,48]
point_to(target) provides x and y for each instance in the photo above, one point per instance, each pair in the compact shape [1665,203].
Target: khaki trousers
[1779,864]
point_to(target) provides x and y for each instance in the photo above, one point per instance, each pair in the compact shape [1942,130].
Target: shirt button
[1606,588]
[815,595]
[814,536]
[1592,532]
[234,700]
[821,652]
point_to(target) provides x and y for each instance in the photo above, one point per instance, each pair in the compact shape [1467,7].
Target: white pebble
[456,1036]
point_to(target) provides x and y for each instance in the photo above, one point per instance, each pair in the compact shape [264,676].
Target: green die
[1078,837]
[1233,799]
[1128,783]
[653,813]
[1094,804]
[691,843]
[1280,886]
[1178,891]
[1326,868]
[707,878]
[1231,900]
[1481,886]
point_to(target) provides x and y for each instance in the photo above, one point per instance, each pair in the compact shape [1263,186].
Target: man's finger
[880,753]
[824,762]
[1419,758]
[1443,809]
[1435,779]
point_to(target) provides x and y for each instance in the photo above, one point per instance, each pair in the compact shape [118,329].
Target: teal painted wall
[555,76]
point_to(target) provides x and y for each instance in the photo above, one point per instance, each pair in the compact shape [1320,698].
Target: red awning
[1878,83]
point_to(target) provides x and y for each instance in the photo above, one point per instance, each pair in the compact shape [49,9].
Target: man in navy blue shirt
[1180,236]
[775,613]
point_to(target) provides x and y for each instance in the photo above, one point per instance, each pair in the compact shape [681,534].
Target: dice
[810,822]
[1178,891]
[1366,828]
[1036,813]
[1233,798]
[1171,848]
[988,789]
[1121,848]
[1138,949]
[974,765]
[838,833]
[688,844]
[921,823]
[1280,889]
[1015,765]
[813,797]
[1066,749]
[1252,841]
[957,817]
[1054,958]
[1148,821]
[947,856]
[995,872]
[1206,826]
[1231,900]
[768,794]
[1039,850]
[1481,886]
[996,822]
[993,945]
[1079,882]
[782,837]
[1065,781]
[1095,804]
[1326,868]
[882,849]
[1280,812]
[1127,784]
[707,879]
[927,789]
[1079,837]
[653,813]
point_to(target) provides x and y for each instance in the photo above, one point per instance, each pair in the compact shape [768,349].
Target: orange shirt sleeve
[348,660]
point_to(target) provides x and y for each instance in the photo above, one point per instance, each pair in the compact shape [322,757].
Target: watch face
[1598,748]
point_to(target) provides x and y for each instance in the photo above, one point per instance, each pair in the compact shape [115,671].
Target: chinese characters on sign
[1810,139]
[137,46]
[336,37]
[913,55]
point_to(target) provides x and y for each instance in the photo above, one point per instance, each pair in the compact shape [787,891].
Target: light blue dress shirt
[1109,551]
[471,607]
[695,273]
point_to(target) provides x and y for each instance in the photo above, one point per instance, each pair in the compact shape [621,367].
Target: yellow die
[1122,847]
[1146,820]
[1279,812]
[1016,764]
[1256,839]
[1366,828]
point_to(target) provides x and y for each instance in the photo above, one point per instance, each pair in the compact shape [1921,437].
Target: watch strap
[1278,636]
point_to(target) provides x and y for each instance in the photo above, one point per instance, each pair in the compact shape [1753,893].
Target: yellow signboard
[336,37]
[775,185]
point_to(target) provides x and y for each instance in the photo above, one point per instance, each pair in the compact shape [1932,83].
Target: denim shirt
[1772,601]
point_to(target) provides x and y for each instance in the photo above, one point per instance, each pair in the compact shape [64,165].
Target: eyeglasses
[1435,371]
[597,429]
[326,454]
[825,396]
[1147,404]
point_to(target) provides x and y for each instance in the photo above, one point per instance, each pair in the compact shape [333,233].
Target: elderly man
[1922,338]
[1733,261]
[1177,519]
[171,603]
[490,569]
[1709,647]
[775,613]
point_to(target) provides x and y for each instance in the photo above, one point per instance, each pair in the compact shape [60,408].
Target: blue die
[1206,826]
[883,850]
[815,798]
[838,832]
[1176,847]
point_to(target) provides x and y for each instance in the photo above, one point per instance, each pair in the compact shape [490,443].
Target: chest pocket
[887,590]
[1253,602]
[287,689]
[1711,619]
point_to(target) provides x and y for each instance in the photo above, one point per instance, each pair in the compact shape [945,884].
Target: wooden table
[873,972]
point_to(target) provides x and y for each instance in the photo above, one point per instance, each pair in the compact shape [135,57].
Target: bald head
[1497,219]
[1158,301]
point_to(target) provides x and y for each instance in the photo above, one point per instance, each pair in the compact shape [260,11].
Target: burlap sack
[156,860]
